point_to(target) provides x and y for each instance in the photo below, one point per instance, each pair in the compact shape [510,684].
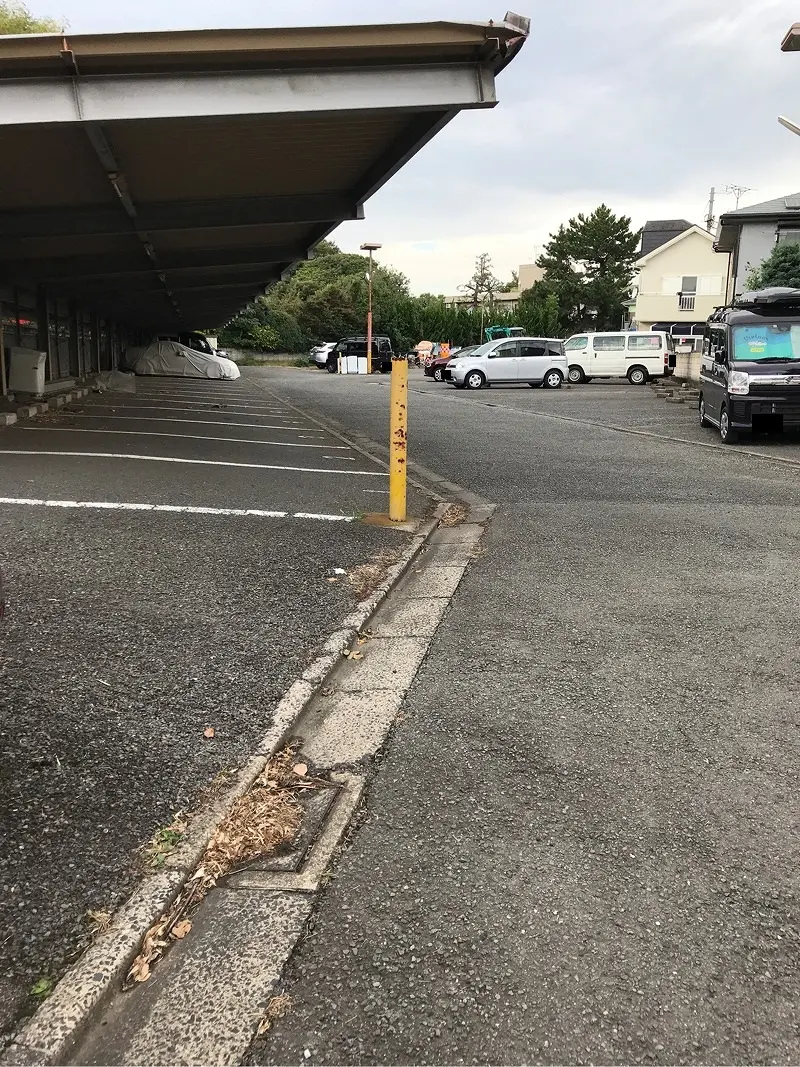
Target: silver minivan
[511,361]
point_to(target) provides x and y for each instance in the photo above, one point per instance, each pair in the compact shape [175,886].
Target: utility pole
[710,219]
[369,246]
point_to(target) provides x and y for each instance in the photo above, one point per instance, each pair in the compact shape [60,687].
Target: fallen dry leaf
[181,929]
[300,769]
[140,971]
[356,655]
[276,1009]
[209,731]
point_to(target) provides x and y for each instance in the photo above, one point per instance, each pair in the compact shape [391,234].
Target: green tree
[781,267]
[16,18]
[589,265]
[509,287]
[482,286]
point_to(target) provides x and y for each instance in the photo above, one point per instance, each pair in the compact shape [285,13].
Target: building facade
[679,284]
[749,235]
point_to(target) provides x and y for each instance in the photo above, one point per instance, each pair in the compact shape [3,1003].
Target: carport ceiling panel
[246,237]
[51,168]
[275,155]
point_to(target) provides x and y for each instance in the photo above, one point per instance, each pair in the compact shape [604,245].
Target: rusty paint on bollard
[398,440]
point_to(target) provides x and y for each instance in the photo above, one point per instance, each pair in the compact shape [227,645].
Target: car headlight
[455,366]
[739,382]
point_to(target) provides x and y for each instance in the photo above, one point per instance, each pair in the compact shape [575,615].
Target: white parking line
[196,462]
[193,405]
[202,397]
[187,437]
[203,411]
[181,509]
[191,422]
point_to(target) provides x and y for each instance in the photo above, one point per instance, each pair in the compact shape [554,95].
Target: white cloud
[640,104]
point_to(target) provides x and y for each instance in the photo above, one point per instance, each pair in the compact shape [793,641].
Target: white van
[635,356]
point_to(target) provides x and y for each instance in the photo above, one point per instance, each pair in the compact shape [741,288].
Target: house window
[789,237]
[686,298]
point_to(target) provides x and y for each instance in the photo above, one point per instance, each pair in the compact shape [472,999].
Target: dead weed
[276,1009]
[367,577]
[454,516]
[266,817]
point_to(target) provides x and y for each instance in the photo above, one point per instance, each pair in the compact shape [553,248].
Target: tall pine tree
[589,265]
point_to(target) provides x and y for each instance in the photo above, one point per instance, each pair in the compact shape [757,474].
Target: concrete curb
[85,989]
[41,407]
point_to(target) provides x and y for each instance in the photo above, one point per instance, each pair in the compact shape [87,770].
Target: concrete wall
[687,365]
[660,279]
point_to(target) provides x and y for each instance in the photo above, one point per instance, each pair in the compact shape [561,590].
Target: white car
[511,361]
[321,352]
[174,359]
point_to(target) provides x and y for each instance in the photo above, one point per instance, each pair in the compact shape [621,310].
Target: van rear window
[640,342]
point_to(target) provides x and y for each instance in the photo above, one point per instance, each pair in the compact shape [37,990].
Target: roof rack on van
[769,297]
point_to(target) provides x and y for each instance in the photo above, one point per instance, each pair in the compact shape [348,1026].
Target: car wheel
[702,411]
[576,375]
[726,431]
[332,366]
[475,380]
[552,380]
[637,376]
[438,375]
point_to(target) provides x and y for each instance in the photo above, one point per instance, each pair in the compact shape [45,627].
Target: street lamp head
[370,246]
[793,126]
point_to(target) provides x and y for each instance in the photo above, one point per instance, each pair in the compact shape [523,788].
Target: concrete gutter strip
[86,987]
[211,990]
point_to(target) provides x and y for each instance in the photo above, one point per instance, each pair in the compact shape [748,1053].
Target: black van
[357,346]
[750,370]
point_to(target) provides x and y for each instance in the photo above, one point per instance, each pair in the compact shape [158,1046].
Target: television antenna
[737,192]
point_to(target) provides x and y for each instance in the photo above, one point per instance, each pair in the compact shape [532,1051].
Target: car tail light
[666,359]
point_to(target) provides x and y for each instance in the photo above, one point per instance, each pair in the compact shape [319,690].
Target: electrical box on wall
[26,371]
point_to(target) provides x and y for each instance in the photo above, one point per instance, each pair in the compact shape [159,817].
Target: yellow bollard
[398,440]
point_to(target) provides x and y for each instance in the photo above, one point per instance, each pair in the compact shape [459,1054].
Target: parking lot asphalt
[582,845]
[166,558]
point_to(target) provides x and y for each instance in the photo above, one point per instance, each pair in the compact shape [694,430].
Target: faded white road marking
[193,422]
[185,436]
[185,509]
[203,398]
[206,410]
[194,462]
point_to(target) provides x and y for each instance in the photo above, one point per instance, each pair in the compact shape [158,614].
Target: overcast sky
[643,104]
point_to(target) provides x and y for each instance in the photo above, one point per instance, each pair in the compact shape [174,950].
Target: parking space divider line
[186,437]
[197,462]
[192,422]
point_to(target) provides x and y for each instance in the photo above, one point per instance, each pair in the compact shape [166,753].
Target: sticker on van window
[751,341]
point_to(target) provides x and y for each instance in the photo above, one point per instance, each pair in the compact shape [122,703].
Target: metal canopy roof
[164,179]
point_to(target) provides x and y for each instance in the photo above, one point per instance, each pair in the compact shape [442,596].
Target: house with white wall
[750,234]
[680,280]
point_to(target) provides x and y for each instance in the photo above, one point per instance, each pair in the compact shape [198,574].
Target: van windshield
[767,342]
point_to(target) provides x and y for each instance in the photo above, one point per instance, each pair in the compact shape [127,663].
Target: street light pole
[369,247]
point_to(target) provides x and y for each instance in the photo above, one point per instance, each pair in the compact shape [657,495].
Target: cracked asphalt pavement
[127,632]
[582,842]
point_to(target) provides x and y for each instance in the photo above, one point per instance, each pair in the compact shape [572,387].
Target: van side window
[639,342]
[554,349]
[613,343]
[719,346]
[575,344]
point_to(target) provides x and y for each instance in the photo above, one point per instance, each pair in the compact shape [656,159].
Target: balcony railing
[686,303]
